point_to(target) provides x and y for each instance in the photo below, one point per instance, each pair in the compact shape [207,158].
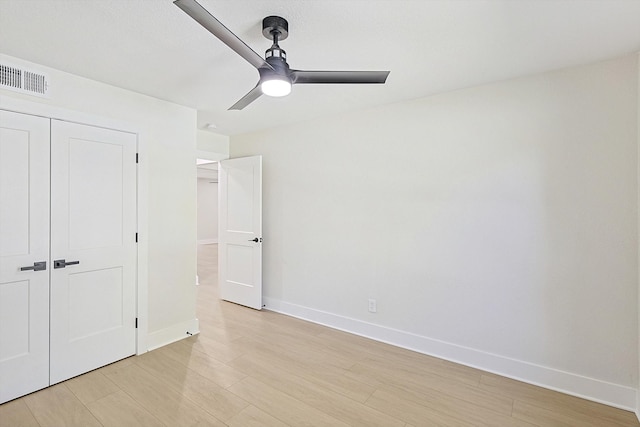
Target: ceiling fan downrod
[275,28]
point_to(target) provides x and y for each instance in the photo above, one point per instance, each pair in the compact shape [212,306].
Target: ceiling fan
[276,77]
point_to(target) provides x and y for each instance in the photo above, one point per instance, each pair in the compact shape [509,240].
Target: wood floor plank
[56,406]
[114,367]
[165,358]
[450,372]
[159,364]
[304,389]
[254,417]
[199,389]
[282,406]
[297,326]
[221,350]
[555,401]
[567,418]
[210,327]
[157,397]
[413,380]
[302,349]
[457,408]
[120,410]
[330,377]
[412,412]
[91,386]
[16,414]
[367,348]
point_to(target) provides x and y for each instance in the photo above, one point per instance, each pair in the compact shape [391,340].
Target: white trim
[53,112]
[172,334]
[210,155]
[143,246]
[207,241]
[588,388]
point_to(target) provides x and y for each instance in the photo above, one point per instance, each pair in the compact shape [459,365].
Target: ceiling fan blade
[248,98]
[338,77]
[215,27]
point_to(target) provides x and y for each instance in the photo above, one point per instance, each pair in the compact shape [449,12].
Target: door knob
[256,240]
[37,266]
[60,263]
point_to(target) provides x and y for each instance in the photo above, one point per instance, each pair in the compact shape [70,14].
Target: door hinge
[136,237]
[137,158]
[136,323]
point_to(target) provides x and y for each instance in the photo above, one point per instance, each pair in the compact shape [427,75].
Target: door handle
[60,263]
[37,266]
[256,240]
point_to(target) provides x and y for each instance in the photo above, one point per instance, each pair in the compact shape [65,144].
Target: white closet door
[93,249]
[24,240]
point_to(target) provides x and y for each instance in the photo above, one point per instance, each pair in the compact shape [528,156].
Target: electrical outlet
[372,306]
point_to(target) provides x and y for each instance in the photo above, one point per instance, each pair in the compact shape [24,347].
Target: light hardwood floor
[251,368]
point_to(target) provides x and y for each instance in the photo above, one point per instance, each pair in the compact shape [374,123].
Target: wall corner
[637,409]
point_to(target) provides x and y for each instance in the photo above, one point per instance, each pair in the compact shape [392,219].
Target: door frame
[142,189]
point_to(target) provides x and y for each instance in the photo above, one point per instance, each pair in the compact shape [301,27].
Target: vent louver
[24,81]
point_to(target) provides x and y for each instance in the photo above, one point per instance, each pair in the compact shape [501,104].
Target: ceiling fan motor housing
[280,68]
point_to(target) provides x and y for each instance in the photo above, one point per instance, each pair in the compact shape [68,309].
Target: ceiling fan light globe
[276,87]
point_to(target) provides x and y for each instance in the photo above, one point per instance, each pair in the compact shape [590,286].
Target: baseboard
[207,241]
[588,388]
[172,334]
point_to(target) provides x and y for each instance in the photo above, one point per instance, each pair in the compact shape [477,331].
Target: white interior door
[240,231]
[24,240]
[93,226]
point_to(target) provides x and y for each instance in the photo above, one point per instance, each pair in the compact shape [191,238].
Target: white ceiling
[430,46]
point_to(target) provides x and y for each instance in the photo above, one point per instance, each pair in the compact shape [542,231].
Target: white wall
[167,202]
[496,226]
[207,210]
[212,142]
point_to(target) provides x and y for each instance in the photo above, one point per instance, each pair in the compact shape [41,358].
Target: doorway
[207,267]
[240,228]
[207,176]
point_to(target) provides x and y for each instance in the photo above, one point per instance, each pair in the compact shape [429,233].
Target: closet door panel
[93,249]
[24,247]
